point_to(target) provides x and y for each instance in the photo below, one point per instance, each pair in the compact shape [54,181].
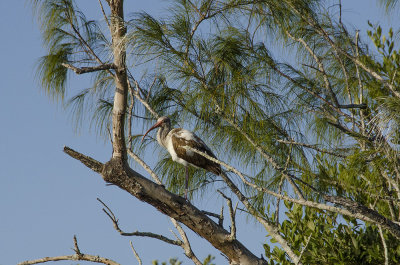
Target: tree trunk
[118,32]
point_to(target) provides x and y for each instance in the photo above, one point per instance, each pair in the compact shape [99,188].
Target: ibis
[176,140]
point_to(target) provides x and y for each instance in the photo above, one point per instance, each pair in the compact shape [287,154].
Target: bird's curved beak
[158,124]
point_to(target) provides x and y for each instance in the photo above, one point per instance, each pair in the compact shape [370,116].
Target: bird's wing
[181,138]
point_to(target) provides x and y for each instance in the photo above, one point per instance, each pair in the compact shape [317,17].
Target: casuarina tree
[301,112]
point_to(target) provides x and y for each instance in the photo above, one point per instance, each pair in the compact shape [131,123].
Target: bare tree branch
[304,247]
[114,220]
[83,70]
[185,243]
[76,247]
[104,14]
[145,166]
[86,160]
[385,249]
[135,253]
[144,102]
[232,213]
[77,256]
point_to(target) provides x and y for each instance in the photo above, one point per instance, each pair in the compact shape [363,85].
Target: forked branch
[77,256]
[114,220]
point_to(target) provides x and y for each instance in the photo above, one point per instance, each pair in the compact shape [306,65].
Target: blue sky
[45,196]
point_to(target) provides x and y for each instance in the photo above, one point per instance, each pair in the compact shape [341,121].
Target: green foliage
[208,260]
[389,4]
[70,38]
[325,238]
[172,261]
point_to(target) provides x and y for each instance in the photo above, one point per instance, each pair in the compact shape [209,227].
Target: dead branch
[232,213]
[86,160]
[114,220]
[185,243]
[135,253]
[77,256]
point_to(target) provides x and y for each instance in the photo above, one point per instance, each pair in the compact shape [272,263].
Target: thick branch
[118,32]
[118,173]
[86,160]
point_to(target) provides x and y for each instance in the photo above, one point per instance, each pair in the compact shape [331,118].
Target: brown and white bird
[176,140]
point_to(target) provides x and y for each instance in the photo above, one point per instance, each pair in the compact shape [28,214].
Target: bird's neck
[162,135]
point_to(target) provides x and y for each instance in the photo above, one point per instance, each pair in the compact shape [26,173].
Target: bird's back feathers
[181,138]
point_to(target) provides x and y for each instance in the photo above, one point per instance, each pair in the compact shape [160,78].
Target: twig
[135,253]
[338,49]
[321,68]
[385,249]
[76,247]
[144,102]
[278,201]
[312,147]
[88,49]
[185,243]
[104,14]
[145,166]
[305,246]
[221,219]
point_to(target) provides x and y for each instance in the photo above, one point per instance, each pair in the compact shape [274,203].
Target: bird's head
[162,121]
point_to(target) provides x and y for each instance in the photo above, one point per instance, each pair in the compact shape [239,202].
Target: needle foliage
[282,90]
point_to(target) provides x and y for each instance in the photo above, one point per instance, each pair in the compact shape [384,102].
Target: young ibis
[175,141]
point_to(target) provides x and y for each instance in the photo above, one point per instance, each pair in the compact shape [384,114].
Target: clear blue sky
[45,196]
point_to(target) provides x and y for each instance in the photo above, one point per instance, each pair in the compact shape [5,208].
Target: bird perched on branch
[176,141]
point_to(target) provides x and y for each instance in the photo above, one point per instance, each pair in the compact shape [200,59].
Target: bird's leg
[186,182]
